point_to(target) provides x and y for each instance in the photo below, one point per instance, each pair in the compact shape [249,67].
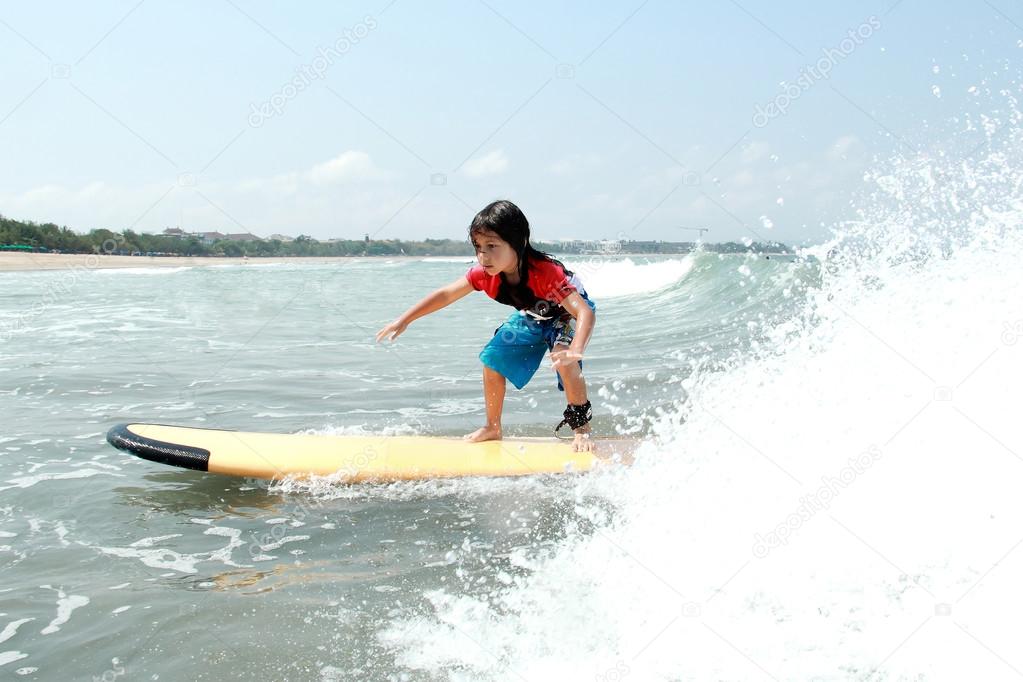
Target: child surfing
[552,314]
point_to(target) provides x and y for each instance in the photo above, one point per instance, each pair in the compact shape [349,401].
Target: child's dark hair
[507,221]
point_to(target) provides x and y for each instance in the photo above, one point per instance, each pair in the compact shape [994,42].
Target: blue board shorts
[519,345]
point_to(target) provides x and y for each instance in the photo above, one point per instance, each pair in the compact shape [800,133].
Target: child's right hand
[392,331]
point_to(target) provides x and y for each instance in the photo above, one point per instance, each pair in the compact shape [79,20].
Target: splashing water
[841,501]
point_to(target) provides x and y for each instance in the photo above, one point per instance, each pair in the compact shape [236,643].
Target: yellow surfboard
[358,458]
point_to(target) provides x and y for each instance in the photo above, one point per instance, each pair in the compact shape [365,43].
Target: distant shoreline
[13,261]
[22,262]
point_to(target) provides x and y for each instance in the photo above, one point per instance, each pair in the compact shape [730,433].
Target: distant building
[209,237]
[175,232]
[281,238]
[242,237]
[591,246]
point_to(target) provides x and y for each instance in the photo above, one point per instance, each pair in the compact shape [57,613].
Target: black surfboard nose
[175,454]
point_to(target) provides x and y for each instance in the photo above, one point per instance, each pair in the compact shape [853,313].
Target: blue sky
[601,120]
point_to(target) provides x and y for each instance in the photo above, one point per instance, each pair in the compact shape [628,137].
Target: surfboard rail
[356,458]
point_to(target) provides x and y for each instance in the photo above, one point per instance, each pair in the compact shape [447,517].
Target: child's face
[495,254]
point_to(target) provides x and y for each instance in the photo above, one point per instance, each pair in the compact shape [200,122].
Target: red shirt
[547,286]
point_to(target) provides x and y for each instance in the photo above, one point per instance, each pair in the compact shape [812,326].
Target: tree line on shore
[48,237]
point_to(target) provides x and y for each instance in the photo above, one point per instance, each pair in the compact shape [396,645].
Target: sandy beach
[14,261]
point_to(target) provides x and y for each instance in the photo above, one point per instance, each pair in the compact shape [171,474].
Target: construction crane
[700,230]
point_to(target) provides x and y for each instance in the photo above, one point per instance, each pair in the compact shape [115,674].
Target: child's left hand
[564,357]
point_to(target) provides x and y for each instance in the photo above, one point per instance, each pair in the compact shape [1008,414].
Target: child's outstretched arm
[431,303]
[585,319]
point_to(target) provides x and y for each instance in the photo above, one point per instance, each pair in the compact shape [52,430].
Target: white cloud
[345,167]
[42,194]
[305,200]
[561,167]
[595,196]
[93,205]
[284,184]
[743,178]
[93,190]
[574,164]
[348,166]
[755,151]
[843,146]
[264,206]
[491,164]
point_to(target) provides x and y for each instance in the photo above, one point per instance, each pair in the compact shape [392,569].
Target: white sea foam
[152,270]
[605,279]
[149,553]
[330,488]
[362,429]
[11,656]
[11,628]
[842,504]
[29,481]
[66,605]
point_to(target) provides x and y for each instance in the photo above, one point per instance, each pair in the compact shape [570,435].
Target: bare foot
[484,433]
[583,443]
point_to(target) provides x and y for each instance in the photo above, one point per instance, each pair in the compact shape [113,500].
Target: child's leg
[571,379]
[513,354]
[493,394]
[575,392]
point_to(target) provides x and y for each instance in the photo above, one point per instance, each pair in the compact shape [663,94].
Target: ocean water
[828,487]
